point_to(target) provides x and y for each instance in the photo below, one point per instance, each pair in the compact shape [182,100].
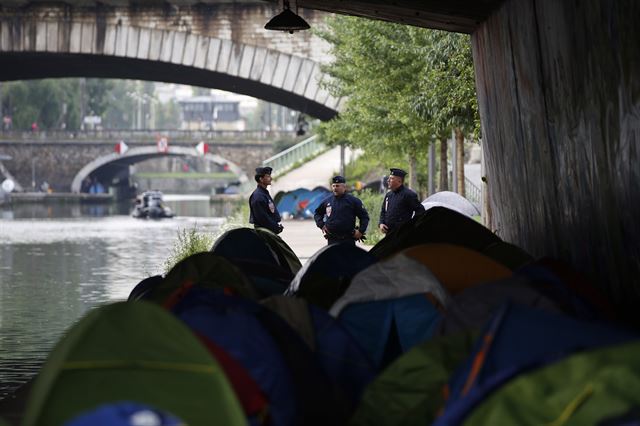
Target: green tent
[584,389]
[409,391]
[204,269]
[132,351]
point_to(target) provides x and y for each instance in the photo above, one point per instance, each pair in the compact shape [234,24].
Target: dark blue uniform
[398,207]
[339,214]
[263,211]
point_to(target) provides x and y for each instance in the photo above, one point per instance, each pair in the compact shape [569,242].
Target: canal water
[57,261]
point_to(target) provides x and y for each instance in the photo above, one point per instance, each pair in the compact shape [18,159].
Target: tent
[409,391]
[337,351]
[443,225]
[132,351]
[287,258]
[472,308]
[124,413]
[600,386]
[518,339]
[145,287]
[327,274]
[457,267]
[453,201]
[390,307]
[301,202]
[201,269]
[276,358]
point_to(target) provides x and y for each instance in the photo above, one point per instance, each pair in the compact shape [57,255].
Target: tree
[448,97]
[378,68]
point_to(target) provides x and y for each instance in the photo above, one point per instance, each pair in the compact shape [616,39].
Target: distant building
[211,113]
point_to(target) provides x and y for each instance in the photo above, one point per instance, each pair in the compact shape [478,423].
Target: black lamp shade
[287,21]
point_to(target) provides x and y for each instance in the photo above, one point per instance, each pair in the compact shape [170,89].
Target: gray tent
[452,201]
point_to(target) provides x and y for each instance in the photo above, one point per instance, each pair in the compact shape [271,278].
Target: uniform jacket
[398,207]
[339,215]
[263,211]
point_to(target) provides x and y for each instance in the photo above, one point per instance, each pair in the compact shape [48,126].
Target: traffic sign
[121,147]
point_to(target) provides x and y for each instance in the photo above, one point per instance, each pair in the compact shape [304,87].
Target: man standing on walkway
[400,203]
[336,215]
[263,211]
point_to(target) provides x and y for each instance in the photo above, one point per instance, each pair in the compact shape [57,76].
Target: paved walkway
[304,237]
[317,172]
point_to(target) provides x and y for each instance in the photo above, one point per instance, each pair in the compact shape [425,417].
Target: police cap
[338,179]
[261,171]
[398,172]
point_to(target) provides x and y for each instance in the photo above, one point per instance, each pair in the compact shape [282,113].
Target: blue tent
[388,328]
[275,356]
[519,338]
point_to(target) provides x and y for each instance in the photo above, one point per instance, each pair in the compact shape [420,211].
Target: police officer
[263,211]
[400,203]
[336,215]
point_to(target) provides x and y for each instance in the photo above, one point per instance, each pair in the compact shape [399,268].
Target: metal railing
[287,159]
[144,135]
[472,192]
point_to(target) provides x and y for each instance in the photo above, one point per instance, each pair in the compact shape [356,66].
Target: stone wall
[58,163]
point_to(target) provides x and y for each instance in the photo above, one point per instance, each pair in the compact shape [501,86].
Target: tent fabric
[245,243]
[338,353]
[144,288]
[453,201]
[240,334]
[390,279]
[472,308]
[409,391]
[296,313]
[387,328]
[457,267]
[328,273]
[202,269]
[519,338]
[301,202]
[132,351]
[287,258]
[436,225]
[276,357]
[124,413]
[600,386]
[254,402]
[443,225]
[573,291]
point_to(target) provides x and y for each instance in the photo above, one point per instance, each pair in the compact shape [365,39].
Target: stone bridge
[219,46]
[64,163]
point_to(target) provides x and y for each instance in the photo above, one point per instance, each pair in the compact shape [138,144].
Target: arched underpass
[111,166]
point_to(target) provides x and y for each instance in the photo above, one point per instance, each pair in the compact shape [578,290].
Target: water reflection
[58,261]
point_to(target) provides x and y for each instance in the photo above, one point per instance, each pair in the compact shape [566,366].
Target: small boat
[149,205]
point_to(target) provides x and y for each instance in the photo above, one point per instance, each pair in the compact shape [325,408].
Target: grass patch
[192,240]
[178,175]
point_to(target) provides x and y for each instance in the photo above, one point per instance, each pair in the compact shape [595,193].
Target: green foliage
[372,201]
[190,241]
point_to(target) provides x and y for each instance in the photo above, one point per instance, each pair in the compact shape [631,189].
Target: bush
[191,241]
[372,202]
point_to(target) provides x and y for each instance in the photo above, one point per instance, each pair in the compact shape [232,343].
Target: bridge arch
[89,49]
[136,155]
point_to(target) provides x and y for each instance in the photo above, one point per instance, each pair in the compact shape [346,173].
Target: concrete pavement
[304,238]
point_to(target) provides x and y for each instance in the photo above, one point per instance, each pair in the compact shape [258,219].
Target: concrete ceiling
[452,15]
